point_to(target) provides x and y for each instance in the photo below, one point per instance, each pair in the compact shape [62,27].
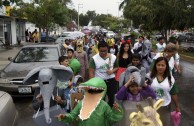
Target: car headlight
[4,81]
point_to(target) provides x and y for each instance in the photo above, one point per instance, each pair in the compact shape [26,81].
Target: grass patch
[191,54]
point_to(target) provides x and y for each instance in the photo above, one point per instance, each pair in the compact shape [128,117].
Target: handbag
[39,118]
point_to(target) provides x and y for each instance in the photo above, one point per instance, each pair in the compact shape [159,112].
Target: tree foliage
[43,13]
[108,21]
[159,14]
[86,18]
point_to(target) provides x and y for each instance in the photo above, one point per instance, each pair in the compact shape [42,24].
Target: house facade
[12,29]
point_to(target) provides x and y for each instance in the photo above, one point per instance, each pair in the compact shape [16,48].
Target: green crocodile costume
[93,110]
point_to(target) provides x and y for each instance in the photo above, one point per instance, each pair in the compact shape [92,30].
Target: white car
[177,34]
[110,34]
[73,34]
[62,39]
[8,112]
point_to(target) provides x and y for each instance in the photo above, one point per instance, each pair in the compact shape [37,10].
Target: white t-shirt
[102,65]
[160,48]
[162,89]
[177,58]
[112,51]
[137,45]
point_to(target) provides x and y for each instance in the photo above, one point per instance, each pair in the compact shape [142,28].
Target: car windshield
[37,54]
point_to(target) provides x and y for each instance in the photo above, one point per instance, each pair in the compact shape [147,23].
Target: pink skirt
[119,72]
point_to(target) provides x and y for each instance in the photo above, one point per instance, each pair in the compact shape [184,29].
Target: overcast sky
[99,6]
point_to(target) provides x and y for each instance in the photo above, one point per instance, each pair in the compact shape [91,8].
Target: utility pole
[79,6]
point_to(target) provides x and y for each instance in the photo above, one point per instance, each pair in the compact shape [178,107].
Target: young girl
[132,92]
[124,58]
[163,85]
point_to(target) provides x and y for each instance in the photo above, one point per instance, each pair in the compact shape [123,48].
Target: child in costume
[148,115]
[68,85]
[82,57]
[93,110]
[63,60]
[131,91]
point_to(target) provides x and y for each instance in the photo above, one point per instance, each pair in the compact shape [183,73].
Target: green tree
[72,14]
[159,14]
[8,2]
[43,13]
[83,19]
[91,15]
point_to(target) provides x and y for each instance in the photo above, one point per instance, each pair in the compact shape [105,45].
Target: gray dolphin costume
[47,77]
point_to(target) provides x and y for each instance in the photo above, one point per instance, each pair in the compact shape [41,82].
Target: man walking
[104,65]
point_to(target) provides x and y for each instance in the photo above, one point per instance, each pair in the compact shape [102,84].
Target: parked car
[8,112]
[50,39]
[73,34]
[189,37]
[29,57]
[103,31]
[110,34]
[66,34]
[186,37]
[176,34]
[62,39]
[157,36]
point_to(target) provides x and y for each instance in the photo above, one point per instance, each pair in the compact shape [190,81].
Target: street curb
[187,58]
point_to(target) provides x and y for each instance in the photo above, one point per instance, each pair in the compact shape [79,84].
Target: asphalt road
[186,94]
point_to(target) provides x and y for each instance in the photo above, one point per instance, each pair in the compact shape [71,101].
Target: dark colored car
[50,39]
[186,37]
[8,112]
[29,57]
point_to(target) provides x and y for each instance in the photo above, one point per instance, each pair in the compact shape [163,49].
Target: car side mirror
[10,58]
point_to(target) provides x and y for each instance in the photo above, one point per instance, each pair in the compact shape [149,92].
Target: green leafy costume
[92,110]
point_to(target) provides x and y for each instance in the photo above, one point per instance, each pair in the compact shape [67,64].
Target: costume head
[111,42]
[148,115]
[79,45]
[75,65]
[47,77]
[139,75]
[95,90]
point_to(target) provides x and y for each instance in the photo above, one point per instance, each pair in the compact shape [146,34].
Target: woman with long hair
[165,88]
[124,58]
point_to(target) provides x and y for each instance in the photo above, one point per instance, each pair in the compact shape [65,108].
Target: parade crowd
[132,71]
